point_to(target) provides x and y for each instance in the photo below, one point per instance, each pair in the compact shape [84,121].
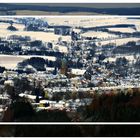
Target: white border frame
[70,123]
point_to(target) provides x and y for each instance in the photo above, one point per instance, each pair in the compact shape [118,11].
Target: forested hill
[66,9]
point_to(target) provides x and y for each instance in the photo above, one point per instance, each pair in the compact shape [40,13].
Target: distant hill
[110,10]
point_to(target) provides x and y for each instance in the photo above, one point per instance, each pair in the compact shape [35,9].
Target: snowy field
[11,61]
[90,21]
[98,34]
[113,59]
[44,36]
[119,42]
[122,30]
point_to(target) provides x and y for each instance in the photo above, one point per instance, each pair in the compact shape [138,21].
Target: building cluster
[87,67]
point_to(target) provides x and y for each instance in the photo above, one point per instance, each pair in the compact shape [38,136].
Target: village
[61,66]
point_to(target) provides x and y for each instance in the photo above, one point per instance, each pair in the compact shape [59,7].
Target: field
[122,30]
[89,21]
[98,34]
[44,36]
[30,12]
[74,21]
[11,61]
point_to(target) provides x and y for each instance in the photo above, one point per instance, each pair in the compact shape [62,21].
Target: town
[62,63]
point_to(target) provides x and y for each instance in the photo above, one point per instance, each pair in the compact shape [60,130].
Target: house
[62,30]
[78,72]
[25,48]
[9,82]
